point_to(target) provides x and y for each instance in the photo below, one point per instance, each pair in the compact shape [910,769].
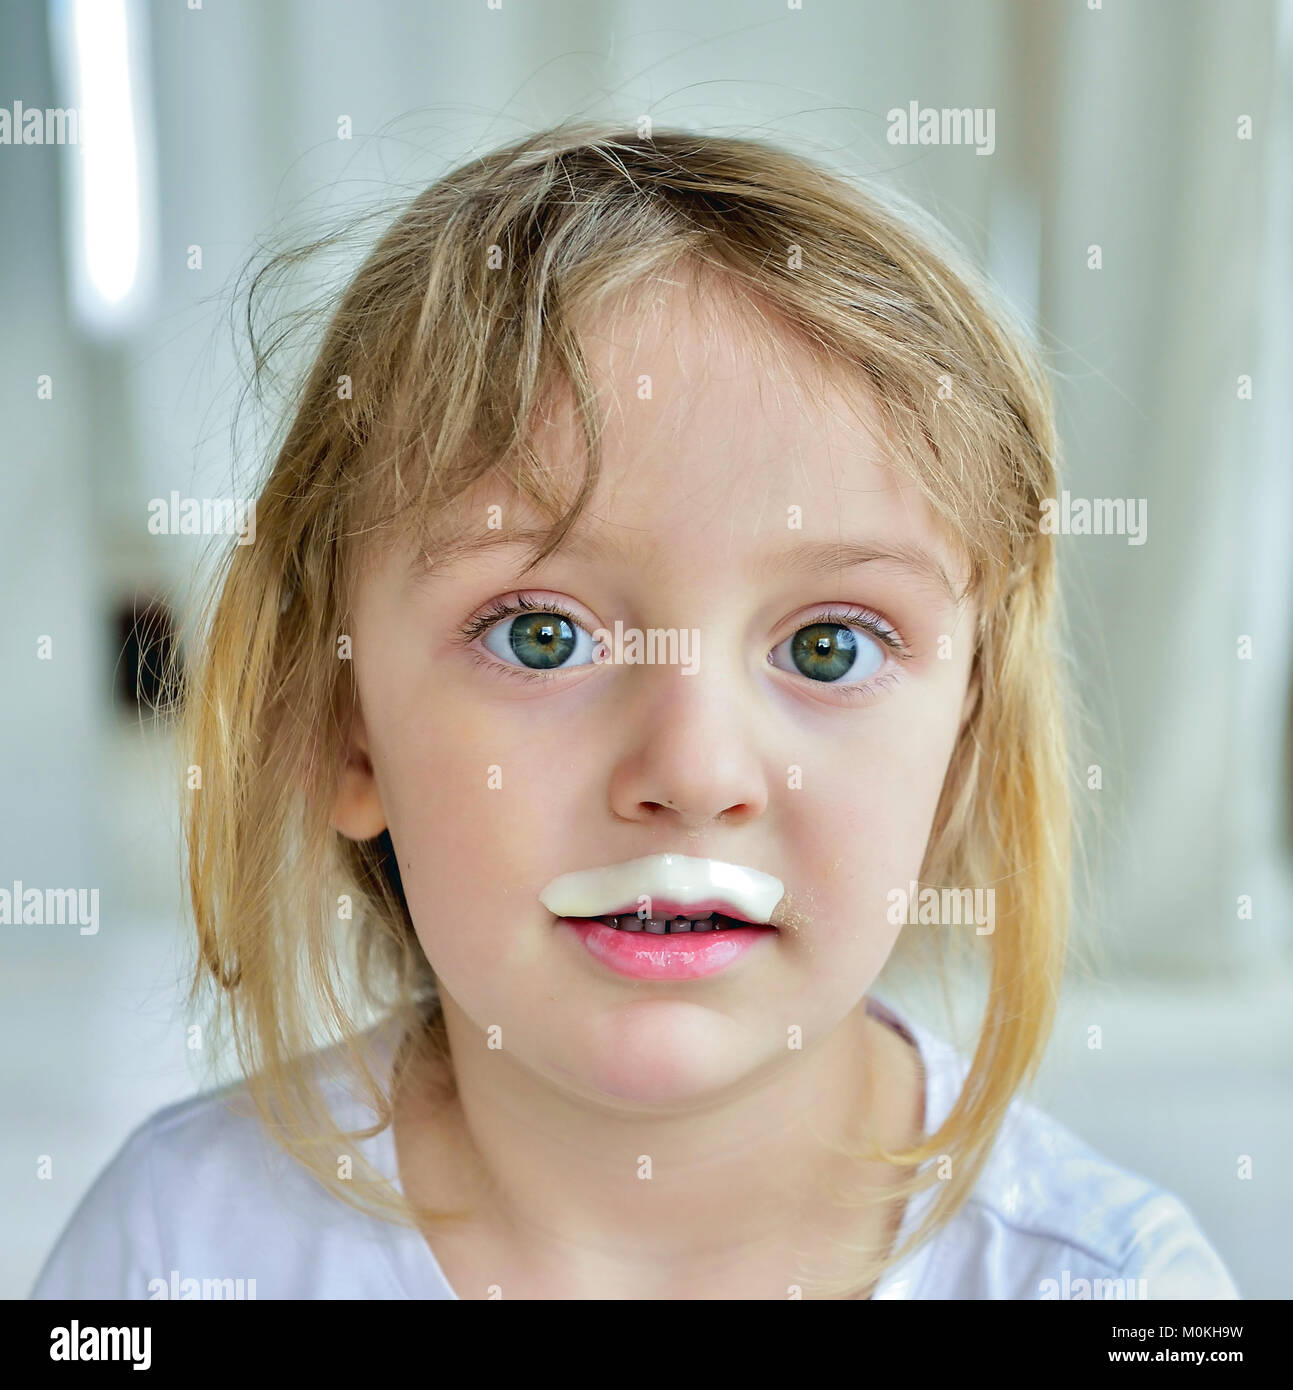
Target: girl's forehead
[720,435]
[690,399]
[719,511]
[706,432]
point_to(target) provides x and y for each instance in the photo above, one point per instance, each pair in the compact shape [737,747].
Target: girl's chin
[662,1053]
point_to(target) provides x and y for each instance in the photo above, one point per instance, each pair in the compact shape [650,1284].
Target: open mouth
[680,941]
[676,924]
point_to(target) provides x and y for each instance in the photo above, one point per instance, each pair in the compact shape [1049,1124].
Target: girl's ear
[357,812]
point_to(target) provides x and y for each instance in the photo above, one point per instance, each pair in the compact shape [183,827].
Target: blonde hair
[452,329]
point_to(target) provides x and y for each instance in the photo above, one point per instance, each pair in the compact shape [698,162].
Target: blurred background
[1136,207]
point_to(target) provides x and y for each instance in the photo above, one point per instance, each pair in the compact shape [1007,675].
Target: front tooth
[657,925]
[704,924]
[631,922]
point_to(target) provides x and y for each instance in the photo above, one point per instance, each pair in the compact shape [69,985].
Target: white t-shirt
[198,1193]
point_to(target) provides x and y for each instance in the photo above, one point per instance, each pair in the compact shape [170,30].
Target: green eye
[830,652]
[539,641]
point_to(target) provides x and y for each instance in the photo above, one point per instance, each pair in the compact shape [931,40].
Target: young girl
[648,624]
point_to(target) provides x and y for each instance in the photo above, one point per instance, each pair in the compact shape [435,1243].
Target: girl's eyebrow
[825,557]
[800,557]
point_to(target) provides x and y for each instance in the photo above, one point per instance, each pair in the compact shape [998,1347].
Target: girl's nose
[690,753]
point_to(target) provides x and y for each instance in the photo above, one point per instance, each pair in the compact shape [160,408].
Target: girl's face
[731,508]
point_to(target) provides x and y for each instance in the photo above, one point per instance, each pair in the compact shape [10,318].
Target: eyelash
[863,618]
[523,604]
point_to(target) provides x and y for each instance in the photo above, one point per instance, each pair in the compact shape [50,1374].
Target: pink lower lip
[662,956]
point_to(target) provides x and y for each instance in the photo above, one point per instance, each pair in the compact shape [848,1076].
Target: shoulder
[163,1192]
[199,1201]
[1050,1217]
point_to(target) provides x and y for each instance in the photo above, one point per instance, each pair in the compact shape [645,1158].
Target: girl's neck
[575,1199]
